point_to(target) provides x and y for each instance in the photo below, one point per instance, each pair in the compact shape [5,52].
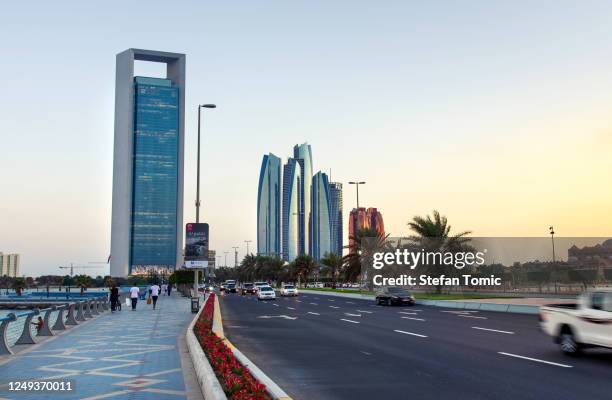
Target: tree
[358,262]
[433,235]
[302,267]
[19,284]
[83,282]
[333,264]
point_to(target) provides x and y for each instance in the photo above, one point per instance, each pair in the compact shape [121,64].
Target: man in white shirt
[154,294]
[134,291]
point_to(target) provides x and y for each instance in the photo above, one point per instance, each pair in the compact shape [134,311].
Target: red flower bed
[236,380]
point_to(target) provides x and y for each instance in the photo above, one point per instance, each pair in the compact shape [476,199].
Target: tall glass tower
[321,224]
[335,213]
[291,209]
[147,215]
[303,155]
[269,207]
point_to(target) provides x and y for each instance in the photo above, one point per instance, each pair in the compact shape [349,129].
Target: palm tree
[334,263]
[434,234]
[82,281]
[248,267]
[19,284]
[302,267]
[363,244]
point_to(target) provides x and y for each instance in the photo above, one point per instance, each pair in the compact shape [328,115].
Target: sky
[495,113]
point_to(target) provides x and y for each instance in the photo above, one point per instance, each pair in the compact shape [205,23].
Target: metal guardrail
[18,328]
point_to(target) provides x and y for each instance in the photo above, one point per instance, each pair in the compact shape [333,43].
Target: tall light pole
[219,264]
[357,185]
[247,242]
[197,203]
[552,238]
[235,256]
[226,253]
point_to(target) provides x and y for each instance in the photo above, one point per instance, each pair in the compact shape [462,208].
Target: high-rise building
[320,240]
[335,215]
[269,207]
[9,265]
[362,218]
[291,209]
[303,155]
[147,217]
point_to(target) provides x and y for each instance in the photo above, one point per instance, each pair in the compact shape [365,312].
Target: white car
[266,293]
[289,290]
[585,324]
[260,284]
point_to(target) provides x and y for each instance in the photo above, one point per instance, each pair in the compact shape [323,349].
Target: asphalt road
[324,347]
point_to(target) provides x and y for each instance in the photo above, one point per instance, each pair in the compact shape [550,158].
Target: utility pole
[226,253]
[247,243]
[235,256]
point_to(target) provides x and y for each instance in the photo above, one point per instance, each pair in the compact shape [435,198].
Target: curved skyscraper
[269,207]
[320,221]
[335,213]
[291,209]
[303,155]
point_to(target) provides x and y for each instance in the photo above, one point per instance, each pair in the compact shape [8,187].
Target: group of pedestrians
[154,292]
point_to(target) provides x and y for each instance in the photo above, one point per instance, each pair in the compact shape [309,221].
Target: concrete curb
[468,305]
[272,388]
[209,384]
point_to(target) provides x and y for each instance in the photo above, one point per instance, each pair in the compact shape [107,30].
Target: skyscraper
[303,155]
[147,215]
[269,207]
[335,215]
[291,209]
[362,218]
[320,241]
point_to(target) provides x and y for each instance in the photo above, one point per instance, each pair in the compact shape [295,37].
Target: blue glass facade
[335,212]
[155,174]
[269,207]
[321,222]
[291,209]
[303,156]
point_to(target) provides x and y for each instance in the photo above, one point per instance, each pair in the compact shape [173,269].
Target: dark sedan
[395,296]
[231,288]
[248,288]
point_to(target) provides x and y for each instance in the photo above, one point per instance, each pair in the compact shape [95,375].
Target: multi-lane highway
[326,347]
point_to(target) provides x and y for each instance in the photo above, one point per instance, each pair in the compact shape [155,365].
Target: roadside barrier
[19,328]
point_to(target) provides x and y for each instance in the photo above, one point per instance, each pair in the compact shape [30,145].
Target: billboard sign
[196,242]
[195,264]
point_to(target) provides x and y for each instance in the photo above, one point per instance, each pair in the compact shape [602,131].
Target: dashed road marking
[348,320]
[352,315]
[472,316]
[414,319]
[313,313]
[493,330]
[535,359]
[291,308]
[367,312]
[314,304]
[409,333]
[407,313]
[333,307]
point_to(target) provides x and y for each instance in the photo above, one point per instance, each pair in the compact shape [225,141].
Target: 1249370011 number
[41,386]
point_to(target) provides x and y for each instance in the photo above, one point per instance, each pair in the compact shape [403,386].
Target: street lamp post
[226,253]
[552,238]
[197,203]
[357,185]
[247,243]
[235,256]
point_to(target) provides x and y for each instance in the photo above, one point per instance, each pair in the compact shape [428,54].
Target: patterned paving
[125,355]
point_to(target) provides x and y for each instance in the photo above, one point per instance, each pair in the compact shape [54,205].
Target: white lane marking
[276,316]
[352,315]
[535,359]
[291,308]
[472,316]
[348,320]
[414,319]
[457,312]
[299,301]
[367,312]
[313,313]
[365,352]
[314,304]
[275,305]
[493,330]
[331,300]
[408,333]
[333,307]
[349,302]
[407,313]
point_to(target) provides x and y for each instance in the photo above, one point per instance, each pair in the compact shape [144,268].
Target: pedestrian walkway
[122,355]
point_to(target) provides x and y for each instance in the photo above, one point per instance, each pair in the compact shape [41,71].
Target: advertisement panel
[196,242]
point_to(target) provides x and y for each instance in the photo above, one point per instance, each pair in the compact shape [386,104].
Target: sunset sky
[496,113]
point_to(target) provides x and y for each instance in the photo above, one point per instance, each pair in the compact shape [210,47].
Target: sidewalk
[124,355]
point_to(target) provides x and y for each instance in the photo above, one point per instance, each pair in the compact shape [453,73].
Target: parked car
[266,293]
[393,296]
[587,323]
[288,290]
[248,288]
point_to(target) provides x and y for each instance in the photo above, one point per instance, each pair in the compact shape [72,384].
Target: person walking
[155,293]
[169,288]
[114,297]
[134,292]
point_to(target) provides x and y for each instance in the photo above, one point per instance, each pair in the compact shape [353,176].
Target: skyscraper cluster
[297,212]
